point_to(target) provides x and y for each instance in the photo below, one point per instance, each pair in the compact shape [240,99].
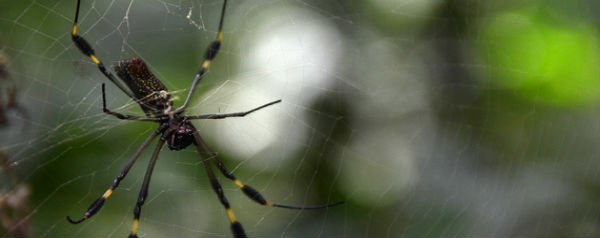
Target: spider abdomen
[181,136]
[144,85]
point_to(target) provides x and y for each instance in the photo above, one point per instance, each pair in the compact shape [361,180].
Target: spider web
[389,106]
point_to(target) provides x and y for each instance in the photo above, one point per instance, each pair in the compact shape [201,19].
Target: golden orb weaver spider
[175,128]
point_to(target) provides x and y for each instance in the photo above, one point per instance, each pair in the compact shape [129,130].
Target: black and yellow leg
[97,205]
[94,208]
[253,194]
[209,56]
[249,191]
[236,227]
[236,114]
[85,48]
[144,190]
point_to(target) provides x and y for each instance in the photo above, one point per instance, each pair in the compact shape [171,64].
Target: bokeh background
[429,118]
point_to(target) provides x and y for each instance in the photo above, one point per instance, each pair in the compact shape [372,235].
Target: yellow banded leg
[206,64]
[85,48]
[94,208]
[74,30]
[236,227]
[252,193]
[248,191]
[210,53]
[231,216]
[134,228]
[256,196]
[97,205]
[107,194]
[95,59]
[144,190]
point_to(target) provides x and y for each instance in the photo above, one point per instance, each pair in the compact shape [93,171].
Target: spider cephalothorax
[174,129]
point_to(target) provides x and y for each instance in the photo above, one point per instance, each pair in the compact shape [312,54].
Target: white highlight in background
[287,56]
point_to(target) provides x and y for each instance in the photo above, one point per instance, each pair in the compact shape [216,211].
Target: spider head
[181,137]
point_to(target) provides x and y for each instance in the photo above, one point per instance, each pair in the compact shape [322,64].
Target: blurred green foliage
[544,59]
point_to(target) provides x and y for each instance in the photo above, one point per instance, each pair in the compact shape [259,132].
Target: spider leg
[250,192]
[144,190]
[96,205]
[123,116]
[87,50]
[236,227]
[236,114]
[209,55]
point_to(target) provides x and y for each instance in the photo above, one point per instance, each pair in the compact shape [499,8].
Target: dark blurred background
[430,118]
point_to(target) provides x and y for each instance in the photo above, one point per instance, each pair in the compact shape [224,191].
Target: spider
[174,127]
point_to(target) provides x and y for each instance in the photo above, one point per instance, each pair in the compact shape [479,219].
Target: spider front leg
[235,114]
[124,116]
[209,56]
[88,51]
